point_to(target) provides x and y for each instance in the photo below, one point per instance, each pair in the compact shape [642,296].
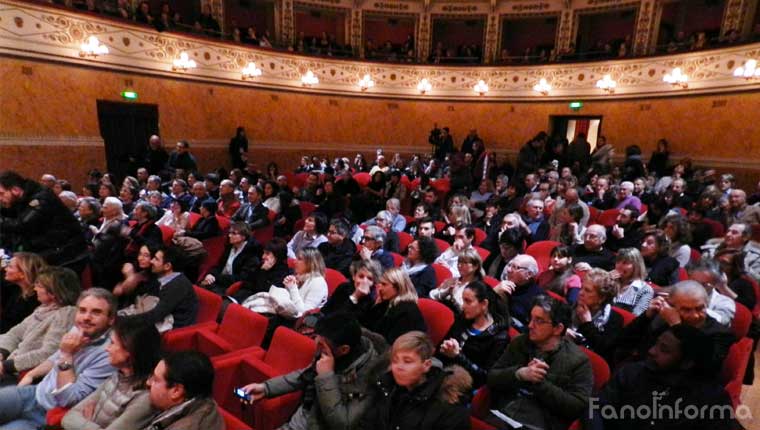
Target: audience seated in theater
[17,295]
[208,226]
[33,340]
[568,230]
[421,253]
[519,288]
[679,366]
[634,294]
[180,390]
[543,379]
[479,334]
[626,198]
[200,195]
[179,192]
[139,291]
[600,196]
[253,212]
[336,384]
[739,285]
[339,249]
[626,232]
[290,212]
[240,261]
[560,277]
[383,220]
[463,238]
[395,311]
[122,401]
[274,269]
[720,303]
[312,235]
[176,296]
[312,192]
[69,375]
[144,232]
[595,325]
[686,304]
[739,211]
[470,269]
[425,228]
[593,252]
[421,211]
[372,247]
[509,221]
[662,269]
[397,221]
[413,393]
[738,237]
[228,201]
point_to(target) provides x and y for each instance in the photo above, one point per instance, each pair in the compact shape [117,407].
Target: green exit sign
[129,95]
[576,105]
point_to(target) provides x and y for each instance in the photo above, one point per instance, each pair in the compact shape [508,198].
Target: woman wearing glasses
[240,261]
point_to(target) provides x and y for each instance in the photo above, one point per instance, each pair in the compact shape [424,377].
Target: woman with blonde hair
[450,291]
[38,336]
[395,311]
[307,288]
[634,294]
[18,297]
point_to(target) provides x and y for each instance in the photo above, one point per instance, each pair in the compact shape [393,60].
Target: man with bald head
[687,304]
[739,210]
[602,198]
[156,157]
[593,252]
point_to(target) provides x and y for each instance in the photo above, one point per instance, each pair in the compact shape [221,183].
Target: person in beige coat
[38,336]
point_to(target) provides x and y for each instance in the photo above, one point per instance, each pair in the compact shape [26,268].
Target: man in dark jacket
[240,262]
[335,385]
[33,219]
[182,159]
[579,154]
[687,305]
[339,250]
[156,157]
[543,379]
[530,155]
[176,296]
[593,252]
[253,213]
[626,233]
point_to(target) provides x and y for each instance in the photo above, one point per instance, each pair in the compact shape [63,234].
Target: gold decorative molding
[51,34]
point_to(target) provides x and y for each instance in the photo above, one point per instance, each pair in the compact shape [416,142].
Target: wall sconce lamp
[183,63]
[481,87]
[748,71]
[366,83]
[424,86]
[542,87]
[309,79]
[251,71]
[92,48]
[606,84]
[677,79]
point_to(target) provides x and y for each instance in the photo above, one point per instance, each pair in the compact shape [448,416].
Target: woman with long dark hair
[123,401]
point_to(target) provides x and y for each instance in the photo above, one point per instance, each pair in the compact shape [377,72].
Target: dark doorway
[125,128]
[569,126]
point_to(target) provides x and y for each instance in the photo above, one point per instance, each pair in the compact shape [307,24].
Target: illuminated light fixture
[251,71]
[366,83]
[481,87]
[606,84]
[92,48]
[309,79]
[676,78]
[748,71]
[424,86]
[542,87]
[183,63]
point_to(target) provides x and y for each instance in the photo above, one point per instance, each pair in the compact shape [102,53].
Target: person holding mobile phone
[335,385]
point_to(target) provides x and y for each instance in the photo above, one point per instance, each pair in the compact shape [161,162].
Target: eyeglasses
[367,238]
[515,267]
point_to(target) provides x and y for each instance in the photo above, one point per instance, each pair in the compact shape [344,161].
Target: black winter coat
[393,321]
[478,353]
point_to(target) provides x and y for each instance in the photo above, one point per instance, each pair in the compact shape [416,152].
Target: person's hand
[208,280]
[614,274]
[362,288]
[257,392]
[451,231]
[26,380]
[655,306]
[450,348]
[618,232]
[507,287]
[669,314]
[326,362]
[534,372]
[290,282]
[458,245]
[88,410]
[582,312]
[127,269]
[365,253]
[73,342]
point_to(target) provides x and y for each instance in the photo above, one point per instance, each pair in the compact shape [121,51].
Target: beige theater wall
[48,121]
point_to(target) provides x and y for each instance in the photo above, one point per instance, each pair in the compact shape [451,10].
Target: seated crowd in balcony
[473,272]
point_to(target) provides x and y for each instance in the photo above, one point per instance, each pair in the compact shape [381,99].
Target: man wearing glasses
[463,239]
[372,247]
[339,250]
[519,288]
[542,380]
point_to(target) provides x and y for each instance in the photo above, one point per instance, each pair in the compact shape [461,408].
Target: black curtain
[125,128]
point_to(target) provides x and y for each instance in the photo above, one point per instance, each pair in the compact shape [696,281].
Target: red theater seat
[541,251]
[333,279]
[209,305]
[438,318]
[442,273]
[404,239]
